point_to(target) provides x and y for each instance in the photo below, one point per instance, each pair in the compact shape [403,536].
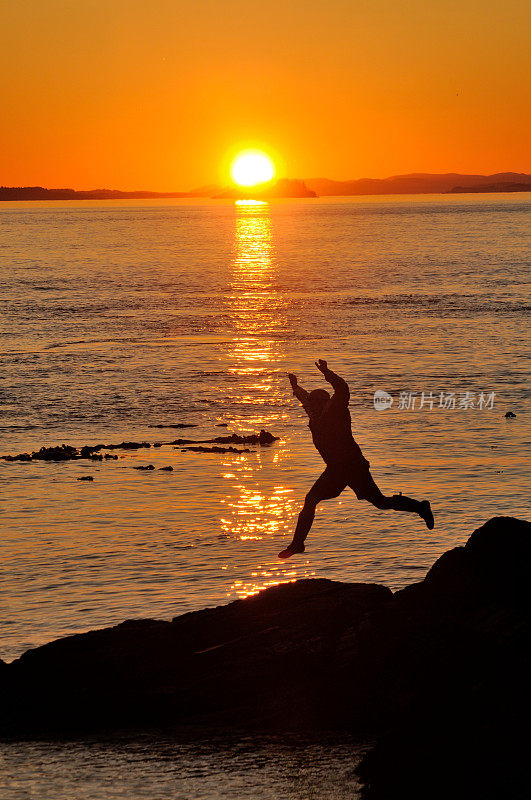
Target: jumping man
[330,425]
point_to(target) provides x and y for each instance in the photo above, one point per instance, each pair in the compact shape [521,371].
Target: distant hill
[40,193]
[417,183]
[284,187]
[492,187]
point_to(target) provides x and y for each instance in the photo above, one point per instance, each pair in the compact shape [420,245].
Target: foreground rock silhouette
[438,672]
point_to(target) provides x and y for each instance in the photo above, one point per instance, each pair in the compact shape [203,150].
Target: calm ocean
[122,316]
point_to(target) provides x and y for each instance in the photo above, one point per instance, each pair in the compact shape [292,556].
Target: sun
[251,168]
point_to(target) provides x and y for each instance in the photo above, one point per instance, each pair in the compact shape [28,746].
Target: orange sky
[156,94]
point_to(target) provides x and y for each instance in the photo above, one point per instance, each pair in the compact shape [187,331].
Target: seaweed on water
[66,452]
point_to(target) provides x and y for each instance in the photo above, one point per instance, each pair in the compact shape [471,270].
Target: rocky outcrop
[66,452]
[264,439]
[262,661]
[458,648]
[438,672]
[215,449]
[174,425]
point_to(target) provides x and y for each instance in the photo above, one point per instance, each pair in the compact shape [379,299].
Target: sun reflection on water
[255,306]
[257,504]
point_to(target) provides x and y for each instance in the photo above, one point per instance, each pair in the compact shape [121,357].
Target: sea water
[121,316]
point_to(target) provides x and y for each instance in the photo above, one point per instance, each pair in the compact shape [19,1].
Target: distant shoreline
[506,187]
[418,183]
[40,193]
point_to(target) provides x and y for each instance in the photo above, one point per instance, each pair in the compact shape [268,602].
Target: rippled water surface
[157,767]
[119,317]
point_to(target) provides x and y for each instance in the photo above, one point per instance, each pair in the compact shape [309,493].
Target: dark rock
[64,452]
[87,451]
[85,478]
[222,425]
[458,651]
[148,467]
[510,415]
[175,425]
[263,438]
[265,660]
[127,446]
[214,449]
[166,469]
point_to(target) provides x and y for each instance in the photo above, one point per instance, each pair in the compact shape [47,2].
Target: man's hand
[292,380]
[340,386]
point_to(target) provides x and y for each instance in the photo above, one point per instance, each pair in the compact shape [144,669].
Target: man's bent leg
[327,486]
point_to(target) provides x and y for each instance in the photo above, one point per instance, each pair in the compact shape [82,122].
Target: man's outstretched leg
[325,487]
[399,502]
[421,507]
[365,487]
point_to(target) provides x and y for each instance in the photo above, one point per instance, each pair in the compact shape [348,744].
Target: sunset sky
[160,94]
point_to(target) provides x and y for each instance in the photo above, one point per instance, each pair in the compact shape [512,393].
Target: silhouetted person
[330,425]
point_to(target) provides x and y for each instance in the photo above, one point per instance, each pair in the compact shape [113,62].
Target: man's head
[318,399]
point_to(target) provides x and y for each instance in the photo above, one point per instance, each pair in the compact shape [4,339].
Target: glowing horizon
[149,95]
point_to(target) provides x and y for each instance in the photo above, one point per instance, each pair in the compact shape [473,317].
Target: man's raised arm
[339,385]
[300,393]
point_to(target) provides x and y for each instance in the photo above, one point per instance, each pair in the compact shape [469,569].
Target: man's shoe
[426,513]
[291,550]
